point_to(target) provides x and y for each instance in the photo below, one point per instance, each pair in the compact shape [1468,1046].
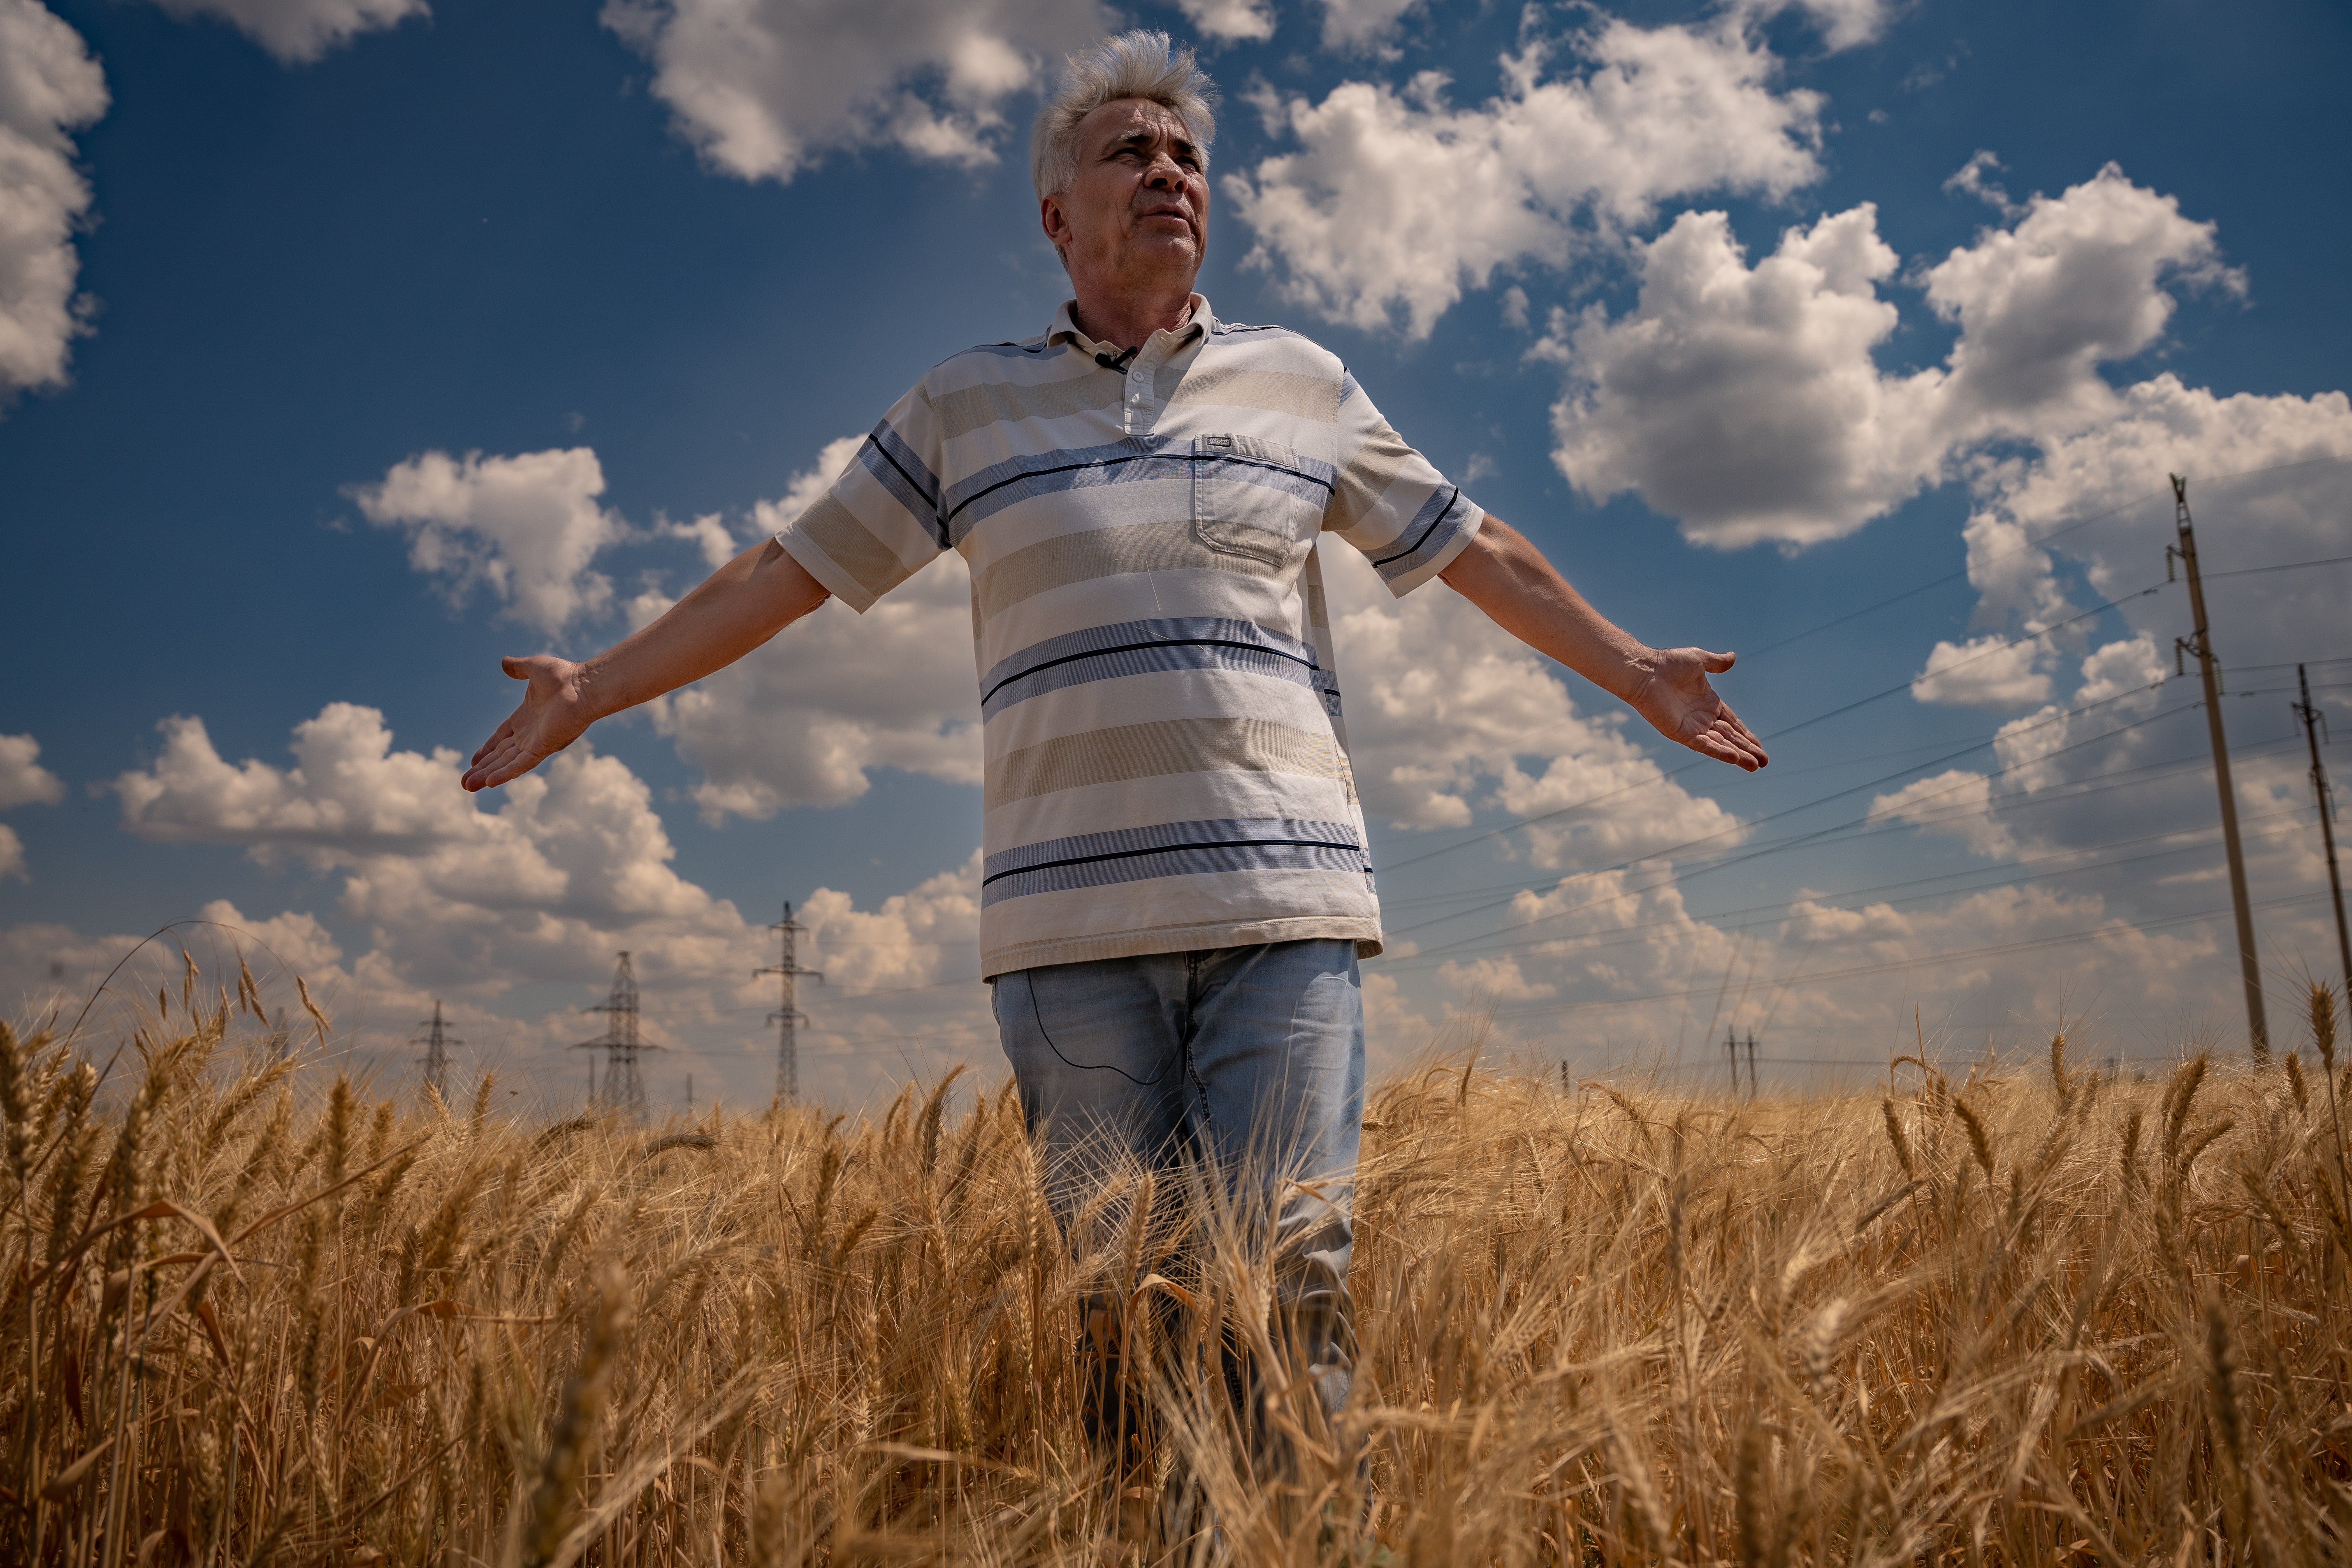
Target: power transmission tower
[623,1090]
[1731,1049]
[2313,722]
[437,1041]
[2200,643]
[1751,1064]
[788,1017]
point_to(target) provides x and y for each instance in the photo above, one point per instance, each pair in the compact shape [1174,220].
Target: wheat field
[2023,1313]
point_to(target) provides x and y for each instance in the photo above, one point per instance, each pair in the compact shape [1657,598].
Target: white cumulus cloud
[1395,202]
[1361,24]
[573,857]
[1748,402]
[524,526]
[807,486]
[300,31]
[1229,21]
[50,86]
[1745,401]
[804,721]
[1447,714]
[294,940]
[2079,280]
[1843,24]
[763,88]
[1983,672]
[1958,797]
[918,938]
[492,902]
[23,780]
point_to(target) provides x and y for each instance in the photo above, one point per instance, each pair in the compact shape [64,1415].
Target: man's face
[1136,215]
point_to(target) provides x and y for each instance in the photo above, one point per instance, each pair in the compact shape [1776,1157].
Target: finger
[1724,710]
[1726,745]
[1711,744]
[503,731]
[519,669]
[511,764]
[1716,663]
[1748,746]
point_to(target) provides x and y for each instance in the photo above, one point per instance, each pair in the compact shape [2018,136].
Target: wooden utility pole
[2200,643]
[1731,1049]
[2314,721]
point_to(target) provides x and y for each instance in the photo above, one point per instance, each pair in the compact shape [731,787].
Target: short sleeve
[1391,503]
[879,522]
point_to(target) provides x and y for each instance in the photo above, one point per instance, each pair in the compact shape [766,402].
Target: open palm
[1675,695]
[552,715]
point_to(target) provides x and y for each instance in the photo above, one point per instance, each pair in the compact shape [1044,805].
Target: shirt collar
[1199,321]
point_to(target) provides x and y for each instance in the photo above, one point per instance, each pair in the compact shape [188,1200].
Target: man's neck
[1127,322]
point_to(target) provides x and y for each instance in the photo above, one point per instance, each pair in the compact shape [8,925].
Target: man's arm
[1508,578]
[732,612]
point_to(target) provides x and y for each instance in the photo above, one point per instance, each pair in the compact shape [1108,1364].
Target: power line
[2281,567]
[2000,646]
[1581,941]
[1807,805]
[1523,886]
[1948,956]
[2017,800]
[1677,875]
[1837,712]
[1858,828]
[2032,544]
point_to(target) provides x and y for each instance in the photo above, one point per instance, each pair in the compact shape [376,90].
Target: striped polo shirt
[1166,769]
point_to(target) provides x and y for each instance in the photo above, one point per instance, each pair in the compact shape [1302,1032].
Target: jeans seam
[1184,1051]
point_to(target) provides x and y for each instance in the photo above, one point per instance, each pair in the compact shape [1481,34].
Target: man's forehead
[1123,118]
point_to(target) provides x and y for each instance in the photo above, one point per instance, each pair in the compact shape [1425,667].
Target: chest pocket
[1250,498]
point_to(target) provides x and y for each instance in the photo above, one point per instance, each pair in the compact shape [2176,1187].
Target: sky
[346,345]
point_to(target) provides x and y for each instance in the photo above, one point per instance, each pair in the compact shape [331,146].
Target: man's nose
[1164,174]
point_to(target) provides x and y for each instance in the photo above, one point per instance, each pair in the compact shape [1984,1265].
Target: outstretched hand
[553,712]
[1673,693]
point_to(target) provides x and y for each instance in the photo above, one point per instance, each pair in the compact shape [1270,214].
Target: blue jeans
[1247,1059]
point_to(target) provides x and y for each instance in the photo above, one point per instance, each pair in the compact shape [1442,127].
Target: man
[1176,888]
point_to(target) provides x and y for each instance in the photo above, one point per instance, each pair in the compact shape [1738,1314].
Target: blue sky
[349,344]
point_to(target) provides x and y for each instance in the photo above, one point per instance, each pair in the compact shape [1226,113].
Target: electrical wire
[1993,739]
[1807,806]
[1837,712]
[1561,946]
[1948,956]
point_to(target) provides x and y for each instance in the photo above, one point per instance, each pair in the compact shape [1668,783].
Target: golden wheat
[2045,1317]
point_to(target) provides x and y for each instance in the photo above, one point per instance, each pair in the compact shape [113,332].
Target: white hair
[1140,63]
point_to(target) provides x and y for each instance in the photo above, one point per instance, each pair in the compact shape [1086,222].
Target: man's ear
[1056,225]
